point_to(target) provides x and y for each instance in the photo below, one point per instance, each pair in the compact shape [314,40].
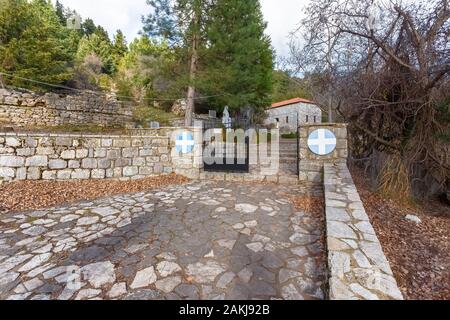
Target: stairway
[288,157]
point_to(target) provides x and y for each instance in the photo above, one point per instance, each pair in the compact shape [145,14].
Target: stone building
[290,114]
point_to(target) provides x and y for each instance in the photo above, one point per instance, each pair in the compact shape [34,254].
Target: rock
[285,275]
[291,293]
[35,262]
[225,280]
[119,289]
[245,275]
[340,230]
[256,246]
[246,208]
[167,268]
[87,221]
[99,274]
[205,272]
[105,212]
[229,244]
[413,218]
[37,161]
[168,285]
[144,278]
[88,294]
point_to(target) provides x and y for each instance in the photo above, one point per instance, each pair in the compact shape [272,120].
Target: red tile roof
[291,101]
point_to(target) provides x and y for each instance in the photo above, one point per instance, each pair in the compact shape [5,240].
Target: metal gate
[226,156]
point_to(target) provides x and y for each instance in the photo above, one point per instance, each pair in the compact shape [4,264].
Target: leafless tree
[388,65]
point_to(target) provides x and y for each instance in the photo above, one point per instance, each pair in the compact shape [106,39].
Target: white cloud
[282,16]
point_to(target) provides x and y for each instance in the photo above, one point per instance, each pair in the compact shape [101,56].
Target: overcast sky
[282,16]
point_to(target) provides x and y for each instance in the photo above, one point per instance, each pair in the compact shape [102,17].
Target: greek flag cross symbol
[322,142]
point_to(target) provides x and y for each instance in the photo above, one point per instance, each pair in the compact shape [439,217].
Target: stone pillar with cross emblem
[186,153]
[320,144]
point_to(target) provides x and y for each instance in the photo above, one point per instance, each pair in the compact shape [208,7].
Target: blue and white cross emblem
[322,142]
[185,142]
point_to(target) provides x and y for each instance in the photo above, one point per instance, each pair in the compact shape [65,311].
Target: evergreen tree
[120,46]
[89,27]
[182,23]
[34,43]
[60,12]
[239,56]
[96,44]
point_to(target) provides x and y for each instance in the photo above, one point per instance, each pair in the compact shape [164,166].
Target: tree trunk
[190,107]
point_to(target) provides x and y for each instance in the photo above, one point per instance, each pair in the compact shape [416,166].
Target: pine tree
[120,46]
[89,27]
[34,43]
[60,12]
[181,22]
[239,56]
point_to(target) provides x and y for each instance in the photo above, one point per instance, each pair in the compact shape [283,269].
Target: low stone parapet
[358,268]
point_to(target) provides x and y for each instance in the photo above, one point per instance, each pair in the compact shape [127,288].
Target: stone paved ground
[196,241]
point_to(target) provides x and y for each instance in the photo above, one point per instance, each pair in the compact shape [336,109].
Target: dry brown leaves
[31,195]
[419,254]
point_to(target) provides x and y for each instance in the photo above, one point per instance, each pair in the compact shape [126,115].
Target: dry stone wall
[24,109]
[80,157]
[358,268]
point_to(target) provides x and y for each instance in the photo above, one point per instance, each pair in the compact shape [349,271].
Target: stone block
[37,161]
[98,174]
[99,153]
[64,174]
[31,143]
[21,174]
[113,154]
[139,162]
[57,164]
[7,173]
[11,161]
[81,174]
[122,162]
[109,173]
[104,164]
[45,151]
[68,154]
[63,142]
[146,152]
[130,152]
[146,171]
[158,168]
[49,175]
[13,142]
[122,143]
[74,164]
[33,173]
[82,153]
[25,152]
[89,163]
[107,142]
[130,171]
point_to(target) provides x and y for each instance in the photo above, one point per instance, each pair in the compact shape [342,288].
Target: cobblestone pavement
[196,241]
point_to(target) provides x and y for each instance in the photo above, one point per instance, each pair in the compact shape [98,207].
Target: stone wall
[358,268]
[310,164]
[24,109]
[80,157]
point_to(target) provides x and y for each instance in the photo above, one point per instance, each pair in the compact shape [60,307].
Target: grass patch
[289,136]
[143,116]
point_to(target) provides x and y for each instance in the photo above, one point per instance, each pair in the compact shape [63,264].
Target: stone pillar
[310,164]
[188,164]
